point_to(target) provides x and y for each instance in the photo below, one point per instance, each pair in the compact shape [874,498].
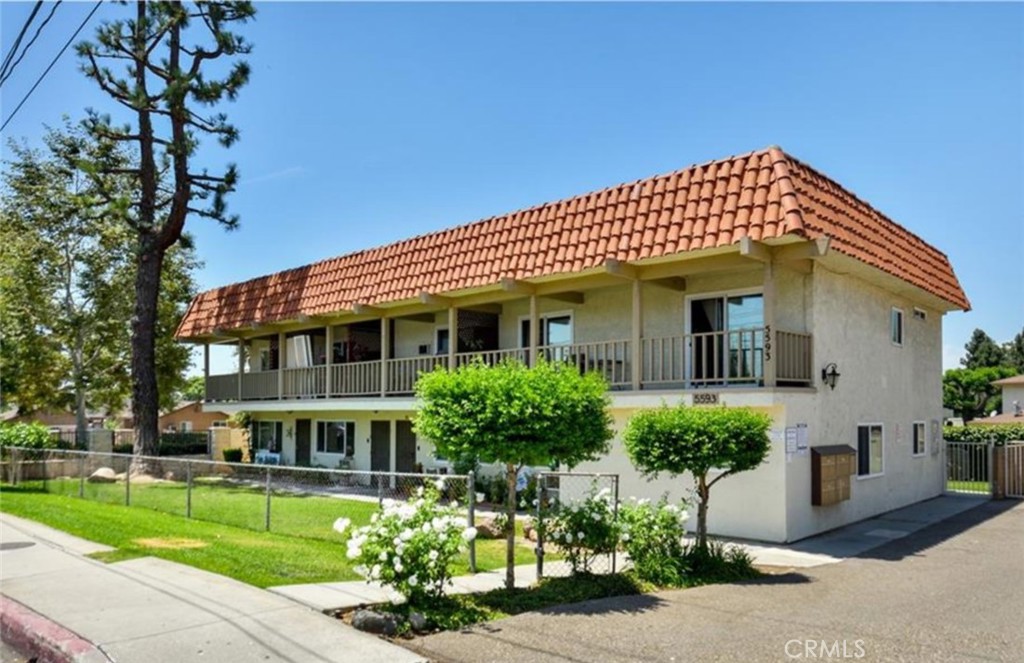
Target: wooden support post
[637,335]
[453,335]
[385,354]
[328,358]
[769,353]
[282,344]
[534,330]
[241,365]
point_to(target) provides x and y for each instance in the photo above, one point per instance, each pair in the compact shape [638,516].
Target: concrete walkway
[829,548]
[149,609]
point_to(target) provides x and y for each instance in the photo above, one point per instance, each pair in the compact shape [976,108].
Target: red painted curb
[35,635]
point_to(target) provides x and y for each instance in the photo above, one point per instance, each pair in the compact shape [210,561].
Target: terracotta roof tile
[764,194]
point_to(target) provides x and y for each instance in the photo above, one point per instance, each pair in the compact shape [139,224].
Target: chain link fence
[576,516]
[294,501]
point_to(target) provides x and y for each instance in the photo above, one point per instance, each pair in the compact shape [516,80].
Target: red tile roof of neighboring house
[763,195]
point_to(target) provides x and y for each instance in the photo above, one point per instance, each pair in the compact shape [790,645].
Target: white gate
[1013,469]
[969,468]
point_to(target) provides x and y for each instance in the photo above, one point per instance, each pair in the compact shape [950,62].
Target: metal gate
[969,468]
[1013,469]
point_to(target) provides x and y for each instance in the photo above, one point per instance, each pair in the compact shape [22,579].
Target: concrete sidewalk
[149,609]
[829,548]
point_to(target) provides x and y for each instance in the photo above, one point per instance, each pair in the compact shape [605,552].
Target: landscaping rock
[418,622]
[121,476]
[375,622]
[103,475]
[170,476]
[488,529]
[528,530]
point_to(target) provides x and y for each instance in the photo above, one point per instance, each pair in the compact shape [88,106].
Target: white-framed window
[896,326]
[185,427]
[336,437]
[918,437]
[555,329]
[920,314]
[870,450]
[267,435]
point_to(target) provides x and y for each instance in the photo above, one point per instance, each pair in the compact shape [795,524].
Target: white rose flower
[568,537]
[341,524]
[439,484]
[375,571]
[469,534]
[625,536]
[405,536]
[426,528]
[419,492]
[579,535]
[383,556]
[413,581]
[396,540]
[433,555]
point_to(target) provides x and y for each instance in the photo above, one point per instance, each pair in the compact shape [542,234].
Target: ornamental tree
[516,416]
[700,441]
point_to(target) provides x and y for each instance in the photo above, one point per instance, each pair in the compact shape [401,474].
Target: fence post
[615,517]
[46,470]
[128,485]
[991,467]
[471,510]
[81,475]
[380,490]
[538,527]
[188,489]
[267,523]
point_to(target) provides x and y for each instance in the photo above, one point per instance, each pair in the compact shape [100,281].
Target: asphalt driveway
[953,591]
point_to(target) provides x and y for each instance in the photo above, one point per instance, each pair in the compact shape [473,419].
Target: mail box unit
[831,469]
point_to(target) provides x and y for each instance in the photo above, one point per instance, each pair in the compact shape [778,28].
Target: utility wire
[53,62]
[4,76]
[21,35]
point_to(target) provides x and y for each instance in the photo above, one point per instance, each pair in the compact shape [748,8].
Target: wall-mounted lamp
[830,375]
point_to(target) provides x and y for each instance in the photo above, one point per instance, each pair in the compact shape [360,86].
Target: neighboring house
[191,416]
[741,282]
[66,420]
[1013,402]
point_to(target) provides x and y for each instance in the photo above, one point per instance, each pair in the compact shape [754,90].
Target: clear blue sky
[367,123]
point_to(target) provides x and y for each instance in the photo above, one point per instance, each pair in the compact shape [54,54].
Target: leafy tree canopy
[970,392]
[982,352]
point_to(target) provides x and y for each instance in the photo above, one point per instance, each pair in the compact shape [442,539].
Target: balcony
[750,357]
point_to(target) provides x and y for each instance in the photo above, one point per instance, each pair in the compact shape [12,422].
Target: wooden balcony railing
[361,378]
[725,358]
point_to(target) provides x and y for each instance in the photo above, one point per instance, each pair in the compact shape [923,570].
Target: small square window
[336,437]
[896,326]
[920,314]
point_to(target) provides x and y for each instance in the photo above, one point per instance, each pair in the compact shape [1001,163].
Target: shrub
[718,563]
[584,529]
[998,434]
[124,448]
[233,455]
[410,546]
[652,535]
[28,436]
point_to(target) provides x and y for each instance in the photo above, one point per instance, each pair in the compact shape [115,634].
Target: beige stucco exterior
[846,309]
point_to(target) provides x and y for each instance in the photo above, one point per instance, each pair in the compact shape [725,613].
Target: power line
[5,75]
[53,62]
[21,35]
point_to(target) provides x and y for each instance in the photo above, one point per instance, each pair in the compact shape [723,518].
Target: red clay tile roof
[763,195]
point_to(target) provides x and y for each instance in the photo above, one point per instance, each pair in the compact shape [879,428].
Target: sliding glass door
[726,339]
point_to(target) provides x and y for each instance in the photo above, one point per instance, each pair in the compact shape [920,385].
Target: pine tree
[982,352]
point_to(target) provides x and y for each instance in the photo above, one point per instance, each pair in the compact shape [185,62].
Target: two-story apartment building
[754,281]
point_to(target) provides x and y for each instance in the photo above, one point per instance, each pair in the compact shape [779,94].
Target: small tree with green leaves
[517,416]
[698,440]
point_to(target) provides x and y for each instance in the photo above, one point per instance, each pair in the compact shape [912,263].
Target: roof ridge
[794,214]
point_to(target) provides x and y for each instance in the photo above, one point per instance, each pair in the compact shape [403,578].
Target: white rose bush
[653,536]
[409,546]
[583,529]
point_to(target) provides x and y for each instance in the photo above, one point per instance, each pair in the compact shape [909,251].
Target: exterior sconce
[830,375]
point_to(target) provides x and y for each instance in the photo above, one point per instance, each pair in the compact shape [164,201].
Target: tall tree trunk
[510,529]
[145,398]
[81,424]
[78,379]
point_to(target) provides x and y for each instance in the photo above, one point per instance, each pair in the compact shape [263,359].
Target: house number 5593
[767,342]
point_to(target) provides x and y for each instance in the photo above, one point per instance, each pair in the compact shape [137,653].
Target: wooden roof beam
[621,269]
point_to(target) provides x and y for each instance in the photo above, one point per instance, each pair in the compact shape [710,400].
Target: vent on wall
[919,314]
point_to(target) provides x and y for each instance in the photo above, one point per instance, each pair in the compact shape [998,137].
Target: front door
[302,442]
[380,446]
[405,446]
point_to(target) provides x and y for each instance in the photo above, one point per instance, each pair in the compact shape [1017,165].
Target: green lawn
[300,548]
[968,486]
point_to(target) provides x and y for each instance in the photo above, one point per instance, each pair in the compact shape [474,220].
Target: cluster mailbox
[831,468]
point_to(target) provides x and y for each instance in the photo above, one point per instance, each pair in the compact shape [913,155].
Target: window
[920,314]
[869,450]
[555,329]
[336,437]
[896,326]
[442,341]
[267,436]
[918,432]
[185,427]
[726,338]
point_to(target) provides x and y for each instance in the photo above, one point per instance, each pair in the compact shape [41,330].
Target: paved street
[953,591]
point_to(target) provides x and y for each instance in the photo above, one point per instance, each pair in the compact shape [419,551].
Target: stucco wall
[879,383]
[1011,393]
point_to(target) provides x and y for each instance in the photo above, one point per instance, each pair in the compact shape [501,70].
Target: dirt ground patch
[170,543]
